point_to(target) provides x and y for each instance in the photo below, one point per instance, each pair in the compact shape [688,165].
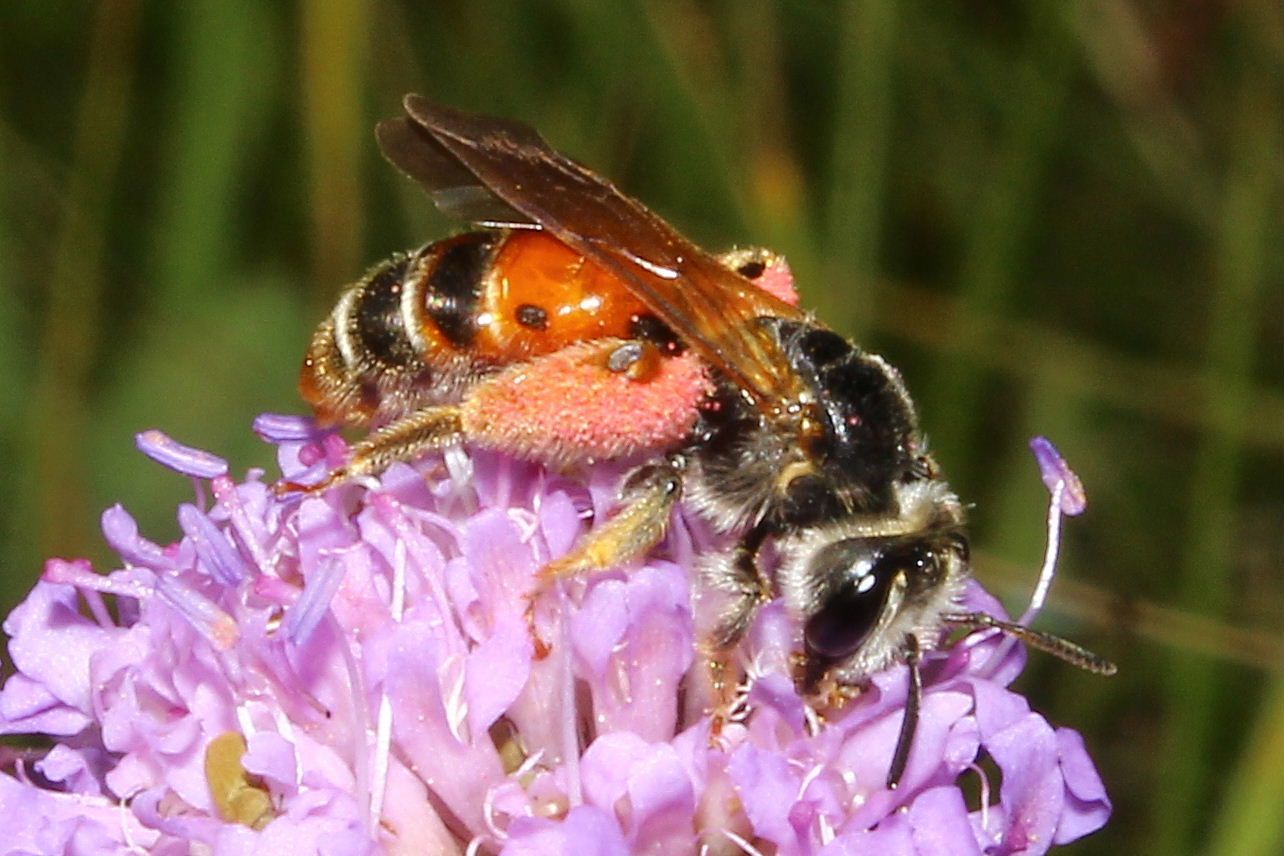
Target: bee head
[862,587]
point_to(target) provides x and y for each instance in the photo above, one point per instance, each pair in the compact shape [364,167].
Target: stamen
[743,844]
[80,573]
[182,459]
[212,546]
[360,717]
[569,718]
[205,615]
[249,530]
[97,607]
[121,531]
[285,428]
[397,606]
[1055,469]
[319,589]
[984,795]
[1051,552]
[391,512]
[382,759]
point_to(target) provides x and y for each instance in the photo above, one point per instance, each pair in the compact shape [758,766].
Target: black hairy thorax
[843,453]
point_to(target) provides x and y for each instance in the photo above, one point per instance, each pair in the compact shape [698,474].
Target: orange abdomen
[420,329]
[540,296]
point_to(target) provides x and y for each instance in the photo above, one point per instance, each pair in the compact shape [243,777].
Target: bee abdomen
[375,329]
[399,338]
[453,284]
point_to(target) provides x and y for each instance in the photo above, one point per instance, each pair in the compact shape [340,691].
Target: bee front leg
[736,573]
[401,440]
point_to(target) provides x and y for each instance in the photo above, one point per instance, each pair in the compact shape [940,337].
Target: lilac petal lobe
[1087,806]
[604,768]
[168,452]
[767,787]
[53,644]
[78,770]
[996,708]
[662,799]
[495,674]
[941,826]
[40,821]
[271,756]
[892,837]
[585,831]
[776,692]
[28,707]
[1033,792]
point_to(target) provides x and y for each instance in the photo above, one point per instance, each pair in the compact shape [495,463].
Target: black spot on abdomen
[533,317]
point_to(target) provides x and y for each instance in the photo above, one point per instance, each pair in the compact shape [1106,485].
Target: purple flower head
[355,673]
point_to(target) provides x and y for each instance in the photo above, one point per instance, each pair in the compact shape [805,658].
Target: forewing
[500,172]
[450,185]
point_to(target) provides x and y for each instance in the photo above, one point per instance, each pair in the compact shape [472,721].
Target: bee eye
[914,558]
[852,609]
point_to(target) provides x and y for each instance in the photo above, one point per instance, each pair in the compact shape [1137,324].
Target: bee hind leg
[403,439]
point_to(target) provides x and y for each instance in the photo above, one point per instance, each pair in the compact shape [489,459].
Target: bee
[577,325]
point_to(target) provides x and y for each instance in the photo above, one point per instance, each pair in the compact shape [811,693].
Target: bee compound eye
[866,573]
[850,611]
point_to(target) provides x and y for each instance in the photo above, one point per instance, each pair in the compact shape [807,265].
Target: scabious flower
[354,673]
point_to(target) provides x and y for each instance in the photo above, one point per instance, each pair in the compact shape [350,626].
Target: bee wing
[500,172]
[451,186]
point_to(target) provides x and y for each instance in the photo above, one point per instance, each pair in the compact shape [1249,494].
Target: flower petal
[1087,807]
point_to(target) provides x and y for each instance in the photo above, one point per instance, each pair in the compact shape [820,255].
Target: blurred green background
[1057,218]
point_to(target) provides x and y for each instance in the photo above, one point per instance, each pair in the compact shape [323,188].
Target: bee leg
[909,723]
[737,573]
[401,440]
[647,499]
[646,502]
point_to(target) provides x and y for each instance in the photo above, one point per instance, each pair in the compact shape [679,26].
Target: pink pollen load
[568,406]
[778,281]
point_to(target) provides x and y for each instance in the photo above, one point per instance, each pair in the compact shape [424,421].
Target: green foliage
[1056,218]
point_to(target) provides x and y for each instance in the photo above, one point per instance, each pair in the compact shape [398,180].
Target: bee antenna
[1047,642]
